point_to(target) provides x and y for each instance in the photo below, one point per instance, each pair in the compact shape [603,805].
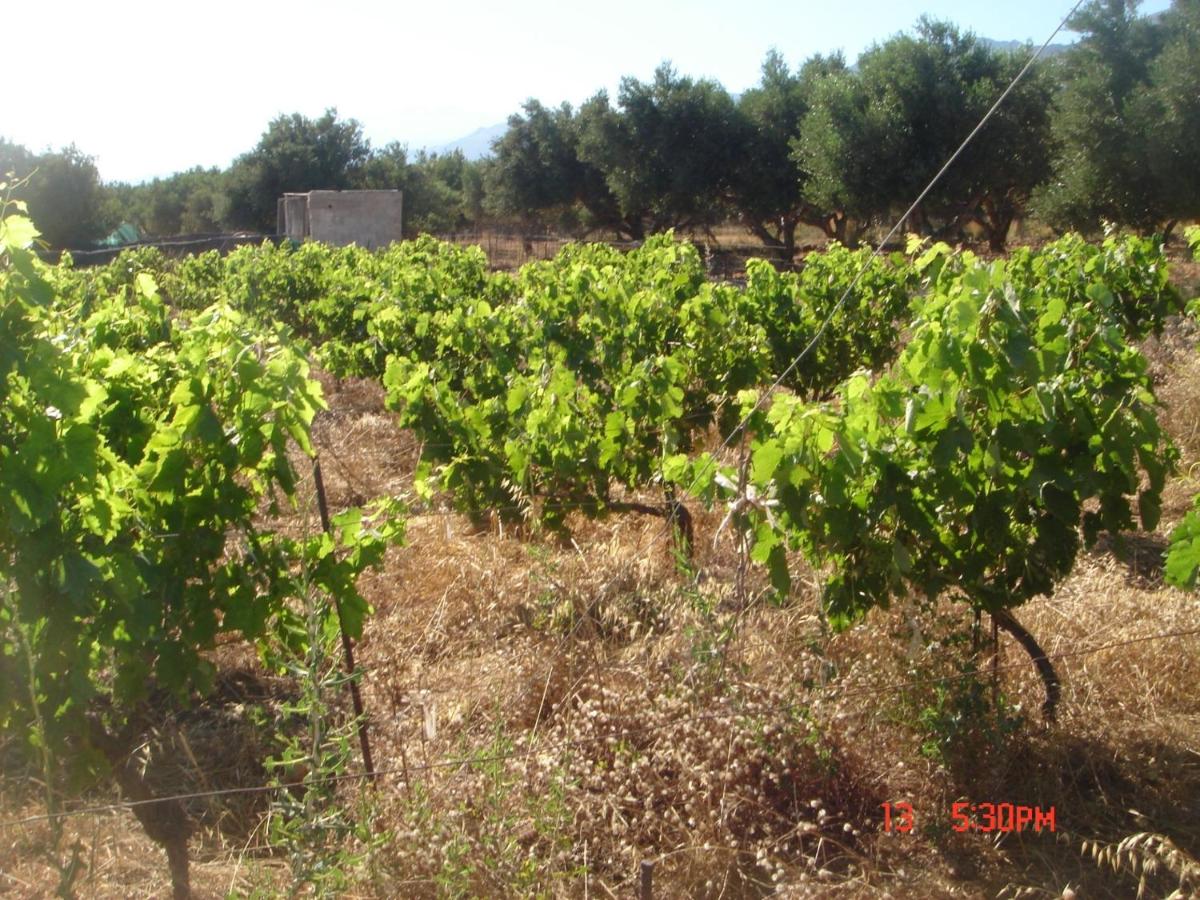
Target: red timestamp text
[898,817]
[983,818]
[988,818]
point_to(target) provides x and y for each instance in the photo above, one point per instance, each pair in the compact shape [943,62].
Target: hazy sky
[150,88]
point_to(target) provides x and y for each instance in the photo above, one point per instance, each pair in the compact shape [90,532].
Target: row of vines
[945,429]
[924,423]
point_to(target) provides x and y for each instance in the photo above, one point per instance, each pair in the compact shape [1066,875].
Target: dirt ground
[547,717]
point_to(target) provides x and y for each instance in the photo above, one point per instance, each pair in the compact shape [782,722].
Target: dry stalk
[1146,855]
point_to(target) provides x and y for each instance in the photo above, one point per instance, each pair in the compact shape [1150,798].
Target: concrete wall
[370,219]
[293,216]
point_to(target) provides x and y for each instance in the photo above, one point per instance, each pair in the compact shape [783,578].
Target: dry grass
[549,716]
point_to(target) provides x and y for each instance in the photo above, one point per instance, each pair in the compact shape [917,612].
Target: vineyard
[649,576]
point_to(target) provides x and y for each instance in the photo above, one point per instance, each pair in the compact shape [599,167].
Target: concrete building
[370,219]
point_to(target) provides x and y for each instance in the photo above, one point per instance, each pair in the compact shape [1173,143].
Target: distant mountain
[477,144]
[1052,50]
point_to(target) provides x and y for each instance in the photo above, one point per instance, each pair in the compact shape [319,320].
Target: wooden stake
[347,649]
[646,881]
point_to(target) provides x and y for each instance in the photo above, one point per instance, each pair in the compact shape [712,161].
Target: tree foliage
[295,154]
[766,187]
[665,150]
[61,190]
[191,202]
[1172,105]
[876,136]
[1107,120]
[536,167]
[842,151]
[442,192]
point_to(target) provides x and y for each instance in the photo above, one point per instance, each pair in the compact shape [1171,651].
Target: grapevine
[136,453]
[1183,552]
[969,466]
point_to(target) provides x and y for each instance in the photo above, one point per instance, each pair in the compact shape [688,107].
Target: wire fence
[182,245]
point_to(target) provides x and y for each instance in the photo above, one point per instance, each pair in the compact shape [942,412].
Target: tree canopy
[442,192]
[665,150]
[295,154]
[62,191]
[878,135]
[1126,119]
[190,202]
[766,188]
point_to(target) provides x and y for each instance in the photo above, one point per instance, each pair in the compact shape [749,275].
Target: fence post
[646,883]
[347,649]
